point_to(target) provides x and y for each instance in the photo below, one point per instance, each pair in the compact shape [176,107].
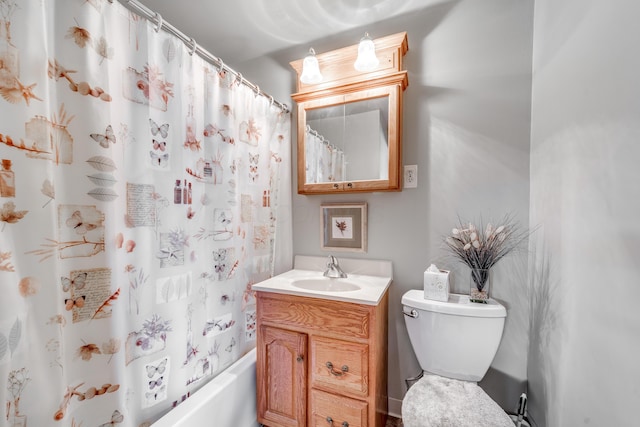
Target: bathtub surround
[134,218]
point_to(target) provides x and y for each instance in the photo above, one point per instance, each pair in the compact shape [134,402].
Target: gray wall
[585,148]
[467,127]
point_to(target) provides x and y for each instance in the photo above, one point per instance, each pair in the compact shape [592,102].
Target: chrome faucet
[333,269]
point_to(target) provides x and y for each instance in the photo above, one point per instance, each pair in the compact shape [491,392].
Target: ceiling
[241,30]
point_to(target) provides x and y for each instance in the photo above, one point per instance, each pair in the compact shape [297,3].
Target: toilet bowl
[455,342]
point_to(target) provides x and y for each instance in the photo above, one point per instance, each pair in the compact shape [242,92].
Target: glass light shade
[310,69]
[367,59]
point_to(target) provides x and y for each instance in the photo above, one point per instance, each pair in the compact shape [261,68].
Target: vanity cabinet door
[282,377]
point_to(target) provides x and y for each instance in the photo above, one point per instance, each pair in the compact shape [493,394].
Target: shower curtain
[142,192]
[324,162]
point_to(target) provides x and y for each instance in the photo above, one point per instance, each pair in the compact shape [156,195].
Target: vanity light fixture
[310,69]
[367,60]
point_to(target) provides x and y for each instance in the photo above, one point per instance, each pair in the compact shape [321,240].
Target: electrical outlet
[410,176]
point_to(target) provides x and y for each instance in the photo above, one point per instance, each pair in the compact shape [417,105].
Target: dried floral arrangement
[480,248]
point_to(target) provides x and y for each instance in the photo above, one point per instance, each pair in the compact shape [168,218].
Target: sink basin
[325,284]
[366,283]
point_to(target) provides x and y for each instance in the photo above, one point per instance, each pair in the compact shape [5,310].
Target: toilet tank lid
[458,305]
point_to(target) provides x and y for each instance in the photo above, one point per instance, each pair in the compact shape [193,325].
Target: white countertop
[371,290]
[372,285]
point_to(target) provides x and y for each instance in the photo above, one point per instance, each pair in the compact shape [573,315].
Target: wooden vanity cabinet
[321,363]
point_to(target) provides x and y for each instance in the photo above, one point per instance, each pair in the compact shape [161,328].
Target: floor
[394,422]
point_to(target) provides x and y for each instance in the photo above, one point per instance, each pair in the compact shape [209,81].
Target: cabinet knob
[330,421]
[335,372]
[350,185]
[336,186]
[299,358]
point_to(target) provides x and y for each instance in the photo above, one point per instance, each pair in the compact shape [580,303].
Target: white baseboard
[395,407]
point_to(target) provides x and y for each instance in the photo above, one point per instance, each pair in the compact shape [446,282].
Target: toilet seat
[436,401]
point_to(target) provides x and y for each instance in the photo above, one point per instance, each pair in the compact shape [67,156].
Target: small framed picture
[344,227]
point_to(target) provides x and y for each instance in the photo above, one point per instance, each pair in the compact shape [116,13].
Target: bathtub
[229,400]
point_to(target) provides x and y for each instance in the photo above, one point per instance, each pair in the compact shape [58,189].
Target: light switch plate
[410,176]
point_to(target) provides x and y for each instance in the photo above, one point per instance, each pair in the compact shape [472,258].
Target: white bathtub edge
[209,401]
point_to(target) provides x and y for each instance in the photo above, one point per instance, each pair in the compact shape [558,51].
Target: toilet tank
[455,339]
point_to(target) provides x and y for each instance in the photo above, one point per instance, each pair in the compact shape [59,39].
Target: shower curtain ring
[285,108]
[257,90]
[271,101]
[158,22]
[221,68]
[194,46]
[239,79]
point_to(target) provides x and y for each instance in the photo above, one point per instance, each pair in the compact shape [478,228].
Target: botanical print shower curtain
[141,194]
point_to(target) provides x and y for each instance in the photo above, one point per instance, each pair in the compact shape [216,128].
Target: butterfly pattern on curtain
[141,194]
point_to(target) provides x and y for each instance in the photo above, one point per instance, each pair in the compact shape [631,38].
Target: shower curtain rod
[191,43]
[322,138]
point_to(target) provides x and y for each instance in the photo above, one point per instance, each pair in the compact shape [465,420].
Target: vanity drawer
[331,410]
[335,318]
[340,365]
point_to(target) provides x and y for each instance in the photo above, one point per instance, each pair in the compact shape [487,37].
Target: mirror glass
[348,141]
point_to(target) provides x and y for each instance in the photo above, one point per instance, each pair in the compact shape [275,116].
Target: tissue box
[436,285]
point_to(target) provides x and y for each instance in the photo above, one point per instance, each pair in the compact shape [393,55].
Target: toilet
[455,342]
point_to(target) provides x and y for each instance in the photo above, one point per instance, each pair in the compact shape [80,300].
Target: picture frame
[343,227]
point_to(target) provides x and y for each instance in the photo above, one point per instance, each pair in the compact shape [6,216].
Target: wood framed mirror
[350,124]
